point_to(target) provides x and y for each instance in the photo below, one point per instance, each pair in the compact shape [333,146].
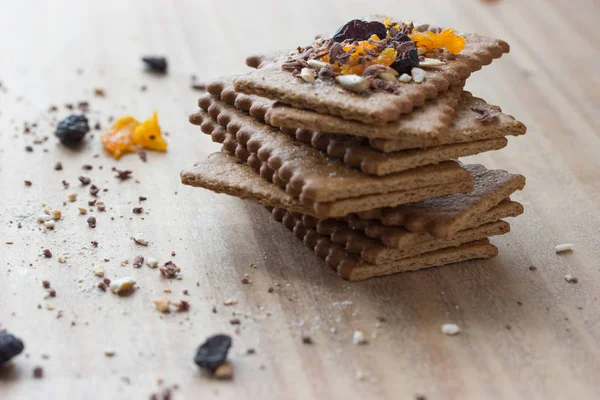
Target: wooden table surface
[525,334]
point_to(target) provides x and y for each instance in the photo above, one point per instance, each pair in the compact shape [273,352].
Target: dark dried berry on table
[58,166]
[84,180]
[405,65]
[10,347]
[212,353]
[28,183]
[91,222]
[38,372]
[156,64]
[72,129]
[138,210]
[46,284]
[138,261]
[47,253]
[29,149]
[360,30]
[123,174]
[94,190]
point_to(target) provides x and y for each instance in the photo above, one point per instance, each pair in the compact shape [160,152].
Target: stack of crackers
[352,142]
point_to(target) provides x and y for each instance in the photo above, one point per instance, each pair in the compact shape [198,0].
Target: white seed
[61,259]
[139,239]
[431,62]
[418,75]
[421,50]
[43,218]
[162,305]
[122,284]
[316,64]
[563,247]
[152,262]
[392,71]
[82,210]
[229,302]
[571,279]
[359,338]
[450,329]
[405,78]
[56,214]
[307,75]
[386,76]
[72,197]
[98,270]
[353,83]
[49,224]
[224,371]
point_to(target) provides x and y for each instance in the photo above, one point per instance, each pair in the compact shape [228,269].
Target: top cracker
[371,71]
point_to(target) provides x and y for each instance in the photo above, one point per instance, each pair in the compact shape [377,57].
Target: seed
[353,83]
[152,262]
[450,329]
[431,62]
[405,78]
[224,371]
[43,218]
[418,75]
[421,50]
[49,224]
[98,270]
[359,338]
[82,211]
[386,76]
[139,239]
[561,248]
[571,279]
[120,285]
[307,75]
[61,259]
[229,302]
[316,64]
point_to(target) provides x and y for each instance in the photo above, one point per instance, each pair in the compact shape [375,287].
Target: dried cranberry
[10,346]
[72,129]
[360,30]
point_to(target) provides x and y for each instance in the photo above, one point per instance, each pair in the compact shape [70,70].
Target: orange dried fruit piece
[447,38]
[148,135]
[118,140]
[352,66]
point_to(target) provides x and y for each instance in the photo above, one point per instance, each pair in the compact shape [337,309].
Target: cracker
[222,173]
[353,268]
[372,251]
[310,176]
[444,216]
[376,108]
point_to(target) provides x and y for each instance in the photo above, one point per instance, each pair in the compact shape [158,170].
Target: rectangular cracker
[430,122]
[308,174]
[444,216]
[353,268]
[375,108]
[373,252]
[222,173]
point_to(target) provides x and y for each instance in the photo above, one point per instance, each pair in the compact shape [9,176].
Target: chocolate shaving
[327,73]
[374,70]
[294,65]
[335,51]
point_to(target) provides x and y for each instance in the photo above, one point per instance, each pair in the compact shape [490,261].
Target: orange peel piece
[447,39]
[118,140]
[352,66]
[148,135]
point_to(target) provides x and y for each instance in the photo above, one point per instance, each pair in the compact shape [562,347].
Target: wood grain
[525,334]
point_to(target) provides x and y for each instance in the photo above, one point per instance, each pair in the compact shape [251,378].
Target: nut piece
[405,78]
[49,224]
[316,64]
[121,285]
[450,329]
[307,75]
[98,270]
[82,210]
[431,62]
[386,76]
[224,371]
[152,262]
[139,239]
[353,83]
[359,338]
[162,305]
[56,214]
[418,75]
[561,248]
[571,279]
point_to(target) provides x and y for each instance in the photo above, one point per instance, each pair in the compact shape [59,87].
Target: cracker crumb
[98,270]
[50,224]
[152,262]
[121,285]
[224,371]
[162,304]
[229,302]
[61,259]
[562,248]
[359,338]
[56,214]
[450,329]
[571,279]
[82,210]
[140,239]
[72,197]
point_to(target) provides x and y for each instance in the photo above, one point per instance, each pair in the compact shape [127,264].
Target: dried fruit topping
[447,39]
[156,64]
[148,135]
[127,135]
[213,353]
[10,347]
[118,140]
[360,30]
[72,129]
[362,55]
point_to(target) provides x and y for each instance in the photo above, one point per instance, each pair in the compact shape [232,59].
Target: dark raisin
[156,64]
[212,353]
[401,37]
[405,65]
[138,261]
[91,222]
[10,346]
[72,129]
[360,30]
